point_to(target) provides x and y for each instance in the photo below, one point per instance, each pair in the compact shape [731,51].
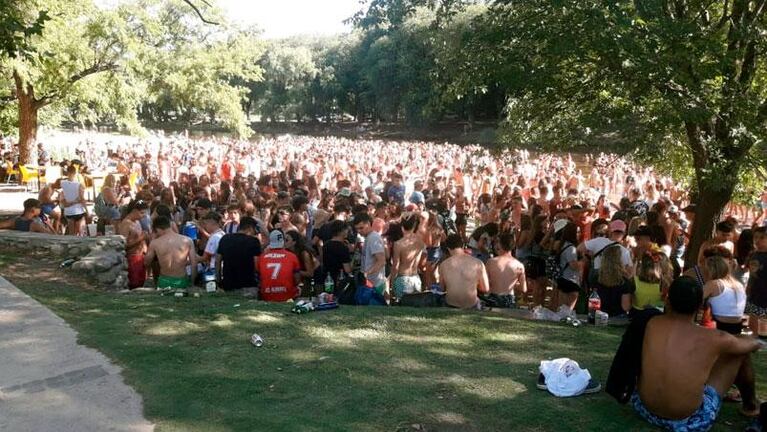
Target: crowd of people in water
[418,223]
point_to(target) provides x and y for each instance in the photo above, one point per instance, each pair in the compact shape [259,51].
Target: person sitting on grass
[505,274]
[174,252]
[686,369]
[279,269]
[461,276]
[646,291]
[29,221]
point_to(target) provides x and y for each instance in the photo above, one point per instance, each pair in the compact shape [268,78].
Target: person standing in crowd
[568,284]
[135,242]
[407,254]
[462,276]
[175,254]
[336,253]
[373,254]
[279,271]
[211,223]
[237,258]
[73,202]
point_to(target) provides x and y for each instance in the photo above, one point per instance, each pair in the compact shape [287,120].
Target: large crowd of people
[397,222]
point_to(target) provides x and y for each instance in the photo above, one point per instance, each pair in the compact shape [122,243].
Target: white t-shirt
[71,191]
[212,246]
[597,244]
[564,377]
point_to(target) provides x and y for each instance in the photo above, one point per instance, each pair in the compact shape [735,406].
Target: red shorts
[136,271]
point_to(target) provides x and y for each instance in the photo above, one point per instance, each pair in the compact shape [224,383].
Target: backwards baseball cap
[276,239]
[617,226]
[345,192]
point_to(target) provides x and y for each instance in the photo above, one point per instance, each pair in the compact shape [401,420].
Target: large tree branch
[96,68]
[198,12]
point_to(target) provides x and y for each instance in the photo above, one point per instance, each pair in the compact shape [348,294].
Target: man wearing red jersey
[279,269]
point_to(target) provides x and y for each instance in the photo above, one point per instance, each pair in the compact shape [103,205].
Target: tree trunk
[714,194]
[28,108]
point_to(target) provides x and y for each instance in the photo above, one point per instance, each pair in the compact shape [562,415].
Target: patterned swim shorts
[700,421]
[407,285]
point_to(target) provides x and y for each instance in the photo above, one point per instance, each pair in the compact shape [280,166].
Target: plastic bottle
[595,304]
[328,284]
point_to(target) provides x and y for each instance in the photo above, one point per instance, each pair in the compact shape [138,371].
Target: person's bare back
[406,254]
[677,359]
[461,275]
[174,252]
[504,273]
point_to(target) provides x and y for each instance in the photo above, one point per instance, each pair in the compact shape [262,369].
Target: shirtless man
[506,274]
[174,252]
[725,233]
[462,210]
[461,276]
[135,242]
[406,258]
[687,369]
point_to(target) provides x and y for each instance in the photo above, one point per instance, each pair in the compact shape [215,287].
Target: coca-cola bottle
[595,304]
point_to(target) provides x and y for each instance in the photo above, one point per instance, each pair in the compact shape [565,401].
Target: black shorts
[76,217]
[567,286]
[733,329]
[461,219]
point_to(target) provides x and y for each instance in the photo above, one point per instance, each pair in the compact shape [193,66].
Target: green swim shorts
[164,282]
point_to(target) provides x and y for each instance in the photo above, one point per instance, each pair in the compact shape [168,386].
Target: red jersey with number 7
[277,268]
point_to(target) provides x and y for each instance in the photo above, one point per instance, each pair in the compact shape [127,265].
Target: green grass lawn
[353,369]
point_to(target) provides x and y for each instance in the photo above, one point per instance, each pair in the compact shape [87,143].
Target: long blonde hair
[611,272]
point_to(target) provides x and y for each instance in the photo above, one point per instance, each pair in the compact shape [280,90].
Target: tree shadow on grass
[355,369]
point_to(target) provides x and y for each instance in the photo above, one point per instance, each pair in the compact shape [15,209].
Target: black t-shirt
[237,251]
[334,255]
[758,280]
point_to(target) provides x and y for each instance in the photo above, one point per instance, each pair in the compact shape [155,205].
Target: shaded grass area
[353,369]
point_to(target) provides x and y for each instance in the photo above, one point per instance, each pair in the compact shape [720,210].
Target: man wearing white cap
[279,269]
[596,247]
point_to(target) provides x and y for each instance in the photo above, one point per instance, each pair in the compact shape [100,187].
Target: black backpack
[553,270]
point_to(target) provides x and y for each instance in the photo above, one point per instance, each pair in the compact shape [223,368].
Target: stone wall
[100,258]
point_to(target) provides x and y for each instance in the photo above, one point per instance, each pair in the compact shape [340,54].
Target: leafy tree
[627,75]
[79,43]
[16,28]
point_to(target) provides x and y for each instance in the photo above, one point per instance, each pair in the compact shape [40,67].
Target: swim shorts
[700,421]
[406,285]
[172,282]
[136,271]
[499,300]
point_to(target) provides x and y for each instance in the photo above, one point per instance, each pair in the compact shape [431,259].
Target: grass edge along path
[353,369]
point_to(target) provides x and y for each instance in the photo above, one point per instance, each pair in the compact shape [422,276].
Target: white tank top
[71,191]
[729,303]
